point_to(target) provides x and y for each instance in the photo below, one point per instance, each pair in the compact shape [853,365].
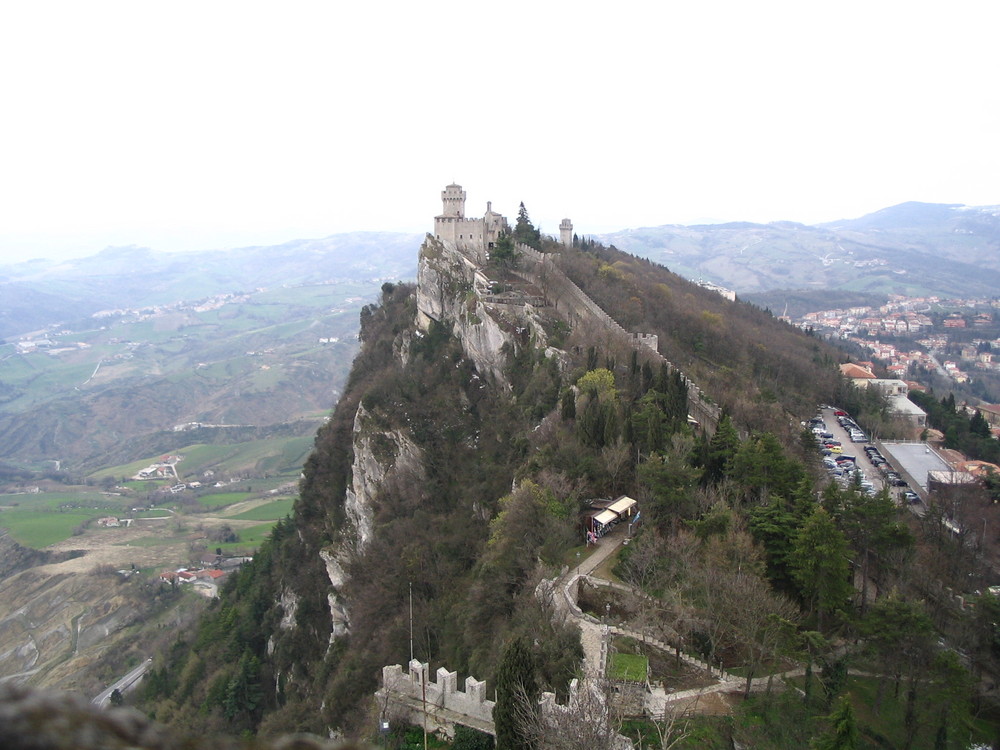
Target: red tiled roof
[851,370]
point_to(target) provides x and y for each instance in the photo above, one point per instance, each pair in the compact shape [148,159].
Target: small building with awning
[604,515]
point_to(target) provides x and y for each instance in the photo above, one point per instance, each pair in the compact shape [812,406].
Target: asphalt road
[123,685]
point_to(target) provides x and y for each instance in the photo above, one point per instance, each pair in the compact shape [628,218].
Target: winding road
[123,685]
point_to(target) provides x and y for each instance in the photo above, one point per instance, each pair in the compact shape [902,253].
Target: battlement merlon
[443,691]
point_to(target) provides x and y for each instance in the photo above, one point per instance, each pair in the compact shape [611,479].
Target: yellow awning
[606,516]
[623,505]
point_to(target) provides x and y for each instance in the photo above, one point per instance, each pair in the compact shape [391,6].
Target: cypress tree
[517,696]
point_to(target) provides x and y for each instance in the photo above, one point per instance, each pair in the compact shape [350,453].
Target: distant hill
[39,293]
[257,338]
[914,248]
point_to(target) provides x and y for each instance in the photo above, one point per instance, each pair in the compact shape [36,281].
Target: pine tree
[843,731]
[524,231]
[819,565]
[722,450]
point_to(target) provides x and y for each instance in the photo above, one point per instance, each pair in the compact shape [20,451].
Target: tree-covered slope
[463,490]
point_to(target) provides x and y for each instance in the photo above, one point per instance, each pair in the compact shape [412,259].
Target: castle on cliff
[476,237]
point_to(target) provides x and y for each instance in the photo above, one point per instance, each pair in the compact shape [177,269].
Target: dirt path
[596,636]
[593,635]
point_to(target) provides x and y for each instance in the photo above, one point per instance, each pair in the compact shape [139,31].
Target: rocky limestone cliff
[447,284]
[380,455]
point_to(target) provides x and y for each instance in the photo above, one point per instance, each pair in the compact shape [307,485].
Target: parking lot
[839,438]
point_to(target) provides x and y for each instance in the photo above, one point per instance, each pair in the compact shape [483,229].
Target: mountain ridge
[458,394]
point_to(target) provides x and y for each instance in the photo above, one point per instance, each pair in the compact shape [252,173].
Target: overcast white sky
[193,125]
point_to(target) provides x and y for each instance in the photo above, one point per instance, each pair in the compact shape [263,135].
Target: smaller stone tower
[566,232]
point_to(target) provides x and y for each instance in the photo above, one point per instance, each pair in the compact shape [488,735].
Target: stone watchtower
[474,237]
[453,198]
[566,233]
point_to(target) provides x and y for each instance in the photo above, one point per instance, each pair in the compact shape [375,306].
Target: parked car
[910,497]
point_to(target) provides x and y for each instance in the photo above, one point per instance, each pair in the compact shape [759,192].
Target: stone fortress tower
[473,236]
[476,237]
[566,233]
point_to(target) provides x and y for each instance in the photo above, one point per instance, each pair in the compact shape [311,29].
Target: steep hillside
[484,408]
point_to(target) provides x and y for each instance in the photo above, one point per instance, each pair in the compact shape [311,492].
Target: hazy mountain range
[38,293]
[913,248]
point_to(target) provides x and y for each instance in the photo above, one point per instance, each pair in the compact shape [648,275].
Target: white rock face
[379,455]
[338,612]
[290,605]
[446,293]
[395,454]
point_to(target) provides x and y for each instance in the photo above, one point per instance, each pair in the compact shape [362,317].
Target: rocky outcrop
[289,607]
[340,618]
[380,455]
[447,284]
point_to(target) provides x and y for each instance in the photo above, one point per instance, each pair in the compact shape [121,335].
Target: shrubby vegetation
[742,557]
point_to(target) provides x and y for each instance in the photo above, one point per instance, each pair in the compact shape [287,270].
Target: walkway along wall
[415,698]
[542,269]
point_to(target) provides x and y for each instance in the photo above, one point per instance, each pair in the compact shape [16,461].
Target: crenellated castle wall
[440,704]
[578,308]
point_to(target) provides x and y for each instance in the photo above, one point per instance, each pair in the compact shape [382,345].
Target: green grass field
[628,667]
[222,499]
[53,501]
[275,456]
[270,512]
[251,537]
[39,528]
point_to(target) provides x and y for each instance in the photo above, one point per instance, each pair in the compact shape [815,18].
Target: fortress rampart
[412,694]
[439,705]
[542,269]
[473,239]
